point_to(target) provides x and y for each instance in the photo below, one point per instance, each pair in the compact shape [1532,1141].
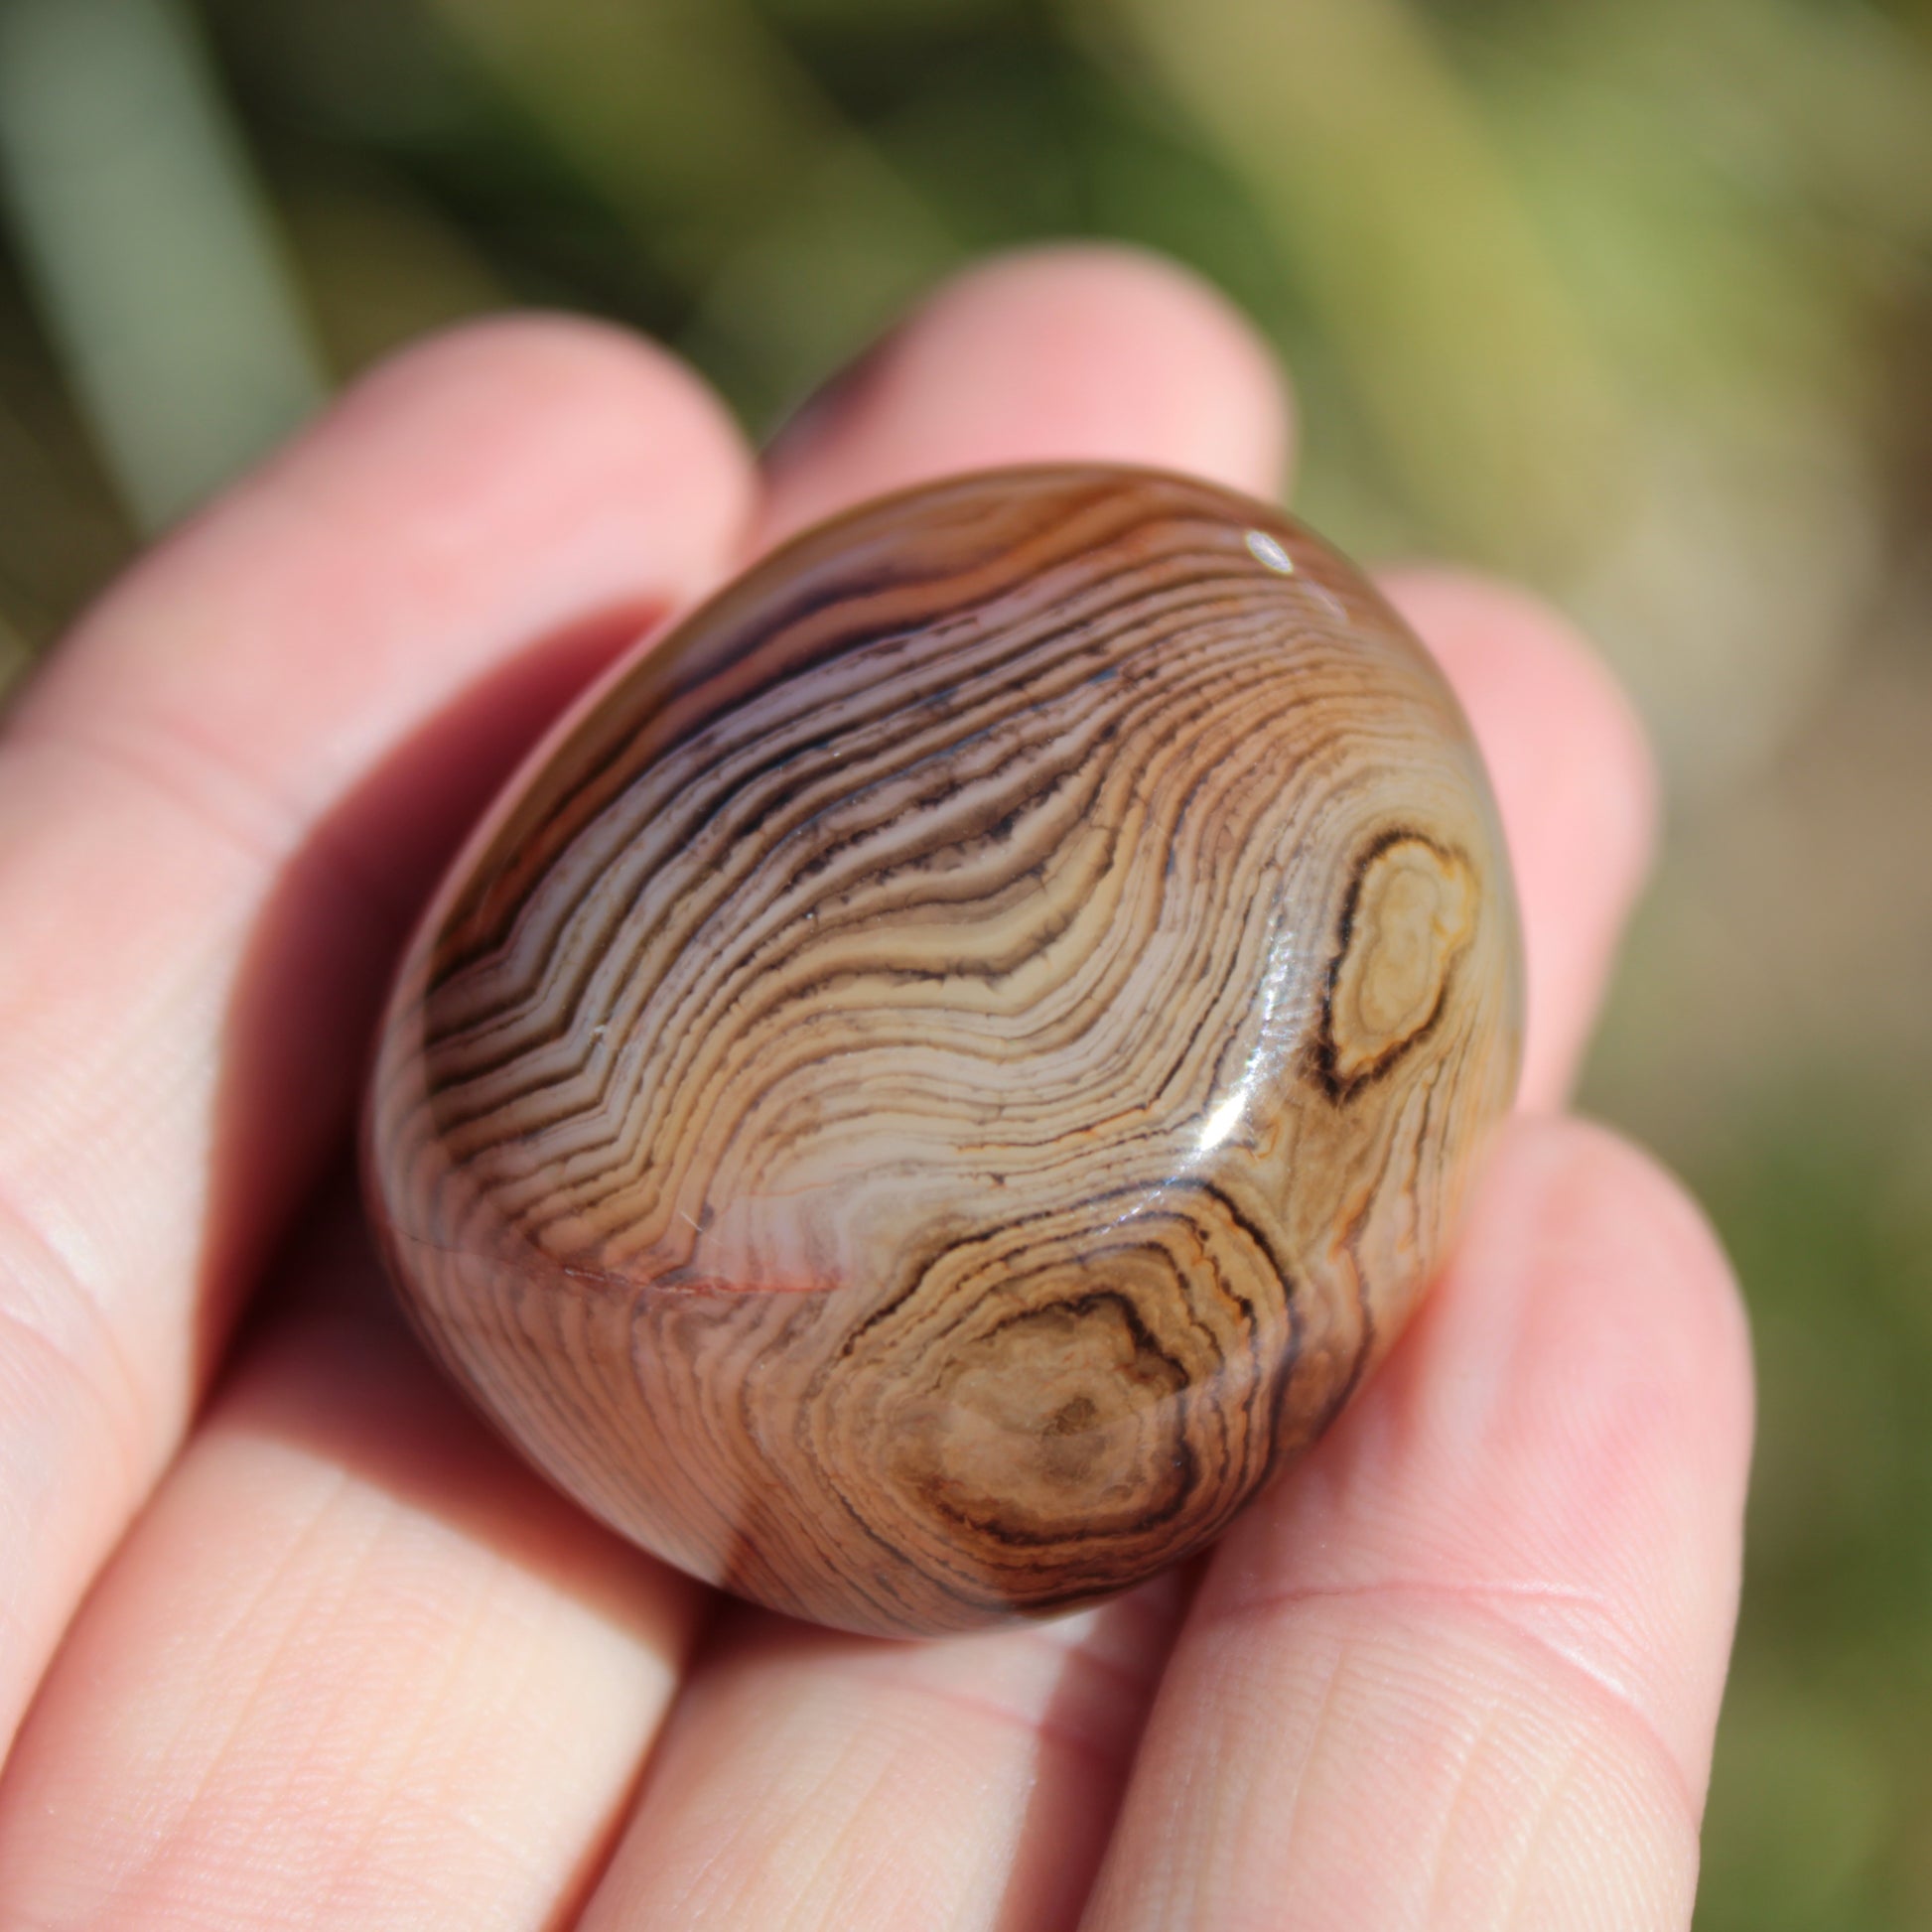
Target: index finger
[224,795]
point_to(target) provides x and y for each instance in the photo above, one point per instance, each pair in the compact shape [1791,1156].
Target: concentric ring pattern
[951,1066]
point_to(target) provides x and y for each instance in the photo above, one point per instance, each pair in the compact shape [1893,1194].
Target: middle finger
[813,1779]
[356,1666]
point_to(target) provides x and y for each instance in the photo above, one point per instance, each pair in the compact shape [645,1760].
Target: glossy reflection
[952,1066]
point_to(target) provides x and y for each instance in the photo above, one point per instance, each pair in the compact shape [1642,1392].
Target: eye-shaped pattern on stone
[947,1070]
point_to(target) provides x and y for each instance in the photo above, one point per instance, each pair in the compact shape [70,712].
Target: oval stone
[947,1070]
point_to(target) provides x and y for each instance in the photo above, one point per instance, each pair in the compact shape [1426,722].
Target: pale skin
[288,1640]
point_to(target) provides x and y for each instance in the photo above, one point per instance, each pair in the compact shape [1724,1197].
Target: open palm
[288,1640]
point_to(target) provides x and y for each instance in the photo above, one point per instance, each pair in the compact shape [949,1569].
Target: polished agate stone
[947,1070]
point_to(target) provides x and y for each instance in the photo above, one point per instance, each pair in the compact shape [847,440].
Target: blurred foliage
[1632,298]
[187,351]
[1820,1811]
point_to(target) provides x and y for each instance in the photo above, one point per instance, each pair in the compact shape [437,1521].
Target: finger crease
[26,1250]
[1048,1729]
[1488,1603]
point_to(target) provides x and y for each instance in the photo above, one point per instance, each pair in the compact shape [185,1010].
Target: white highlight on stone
[1265,549]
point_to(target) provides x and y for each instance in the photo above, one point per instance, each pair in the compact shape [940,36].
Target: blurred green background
[1631,298]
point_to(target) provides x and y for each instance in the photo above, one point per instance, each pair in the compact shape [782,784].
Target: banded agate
[949,1068]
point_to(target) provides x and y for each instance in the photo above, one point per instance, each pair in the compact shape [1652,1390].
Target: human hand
[313,1650]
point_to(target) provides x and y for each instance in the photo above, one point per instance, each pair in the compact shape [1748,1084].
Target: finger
[232,785]
[1028,359]
[1464,1668]
[809,1779]
[815,1780]
[1575,785]
[353,1666]
[1091,353]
